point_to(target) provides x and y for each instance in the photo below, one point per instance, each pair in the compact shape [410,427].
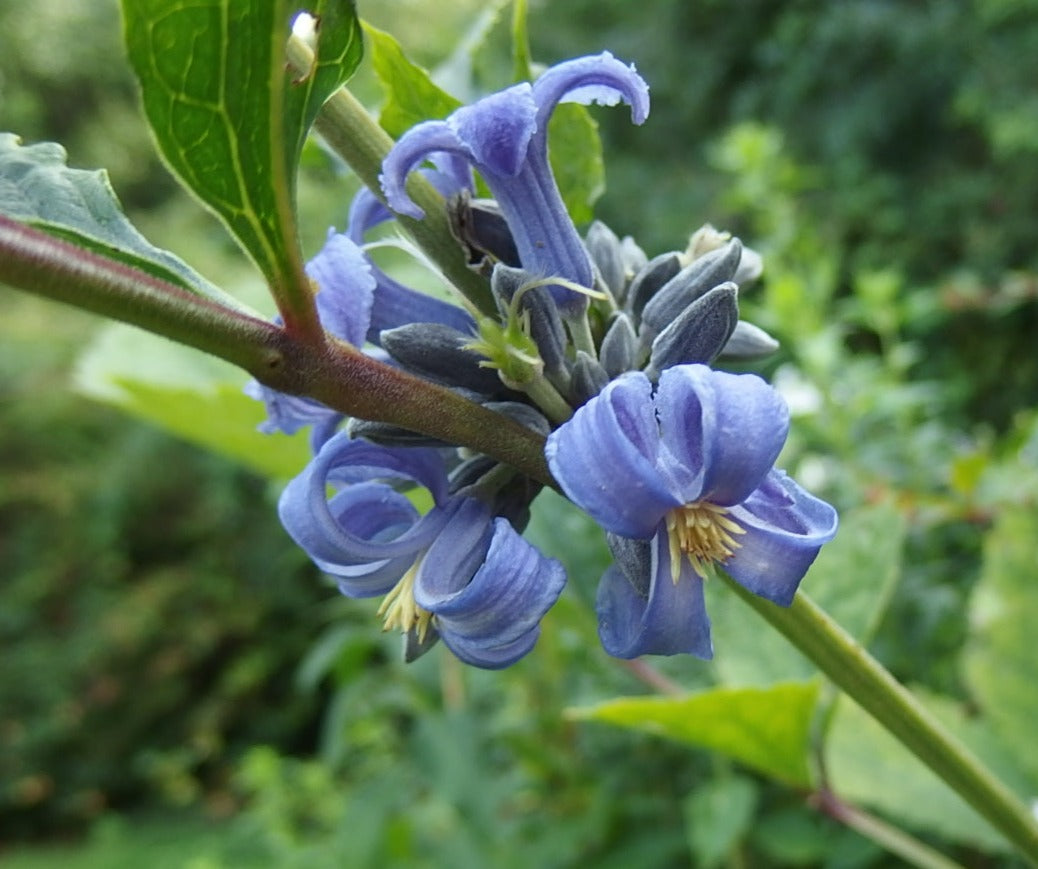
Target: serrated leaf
[575,153]
[869,766]
[411,94]
[189,394]
[852,580]
[78,205]
[1000,663]
[768,729]
[228,115]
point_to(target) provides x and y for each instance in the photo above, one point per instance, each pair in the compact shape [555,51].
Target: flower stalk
[852,669]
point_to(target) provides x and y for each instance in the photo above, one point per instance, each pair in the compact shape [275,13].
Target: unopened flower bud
[618,352]
[389,435]
[699,333]
[689,284]
[589,378]
[749,342]
[648,281]
[607,255]
[437,352]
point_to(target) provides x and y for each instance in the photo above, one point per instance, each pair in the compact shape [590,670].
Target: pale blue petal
[289,413]
[346,288]
[497,130]
[331,538]
[785,528]
[723,431]
[605,459]
[487,587]
[600,79]
[668,619]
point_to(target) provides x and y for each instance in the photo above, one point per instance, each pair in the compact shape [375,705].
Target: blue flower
[504,136]
[683,477]
[457,570]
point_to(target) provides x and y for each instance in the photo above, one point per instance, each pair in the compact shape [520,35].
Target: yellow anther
[399,610]
[704,534]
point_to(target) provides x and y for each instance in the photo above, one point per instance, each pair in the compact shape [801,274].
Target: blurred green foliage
[163,642]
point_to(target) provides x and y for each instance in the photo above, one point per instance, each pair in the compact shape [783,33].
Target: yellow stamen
[399,610]
[704,534]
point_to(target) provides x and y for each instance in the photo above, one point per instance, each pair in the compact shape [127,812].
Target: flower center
[704,534]
[399,610]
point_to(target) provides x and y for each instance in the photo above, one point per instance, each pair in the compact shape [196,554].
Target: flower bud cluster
[594,346]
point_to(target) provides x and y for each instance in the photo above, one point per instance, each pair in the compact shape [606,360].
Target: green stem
[353,134]
[548,399]
[332,372]
[865,680]
[886,835]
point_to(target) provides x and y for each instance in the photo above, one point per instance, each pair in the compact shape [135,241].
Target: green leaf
[229,116]
[575,153]
[1000,663]
[187,393]
[852,580]
[38,188]
[718,814]
[411,94]
[869,766]
[767,729]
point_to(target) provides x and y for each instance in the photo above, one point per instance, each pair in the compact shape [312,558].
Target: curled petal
[654,615]
[451,176]
[372,511]
[600,79]
[496,131]
[346,288]
[326,530]
[605,459]
[727,429]
[785,528]
[487,587]
[415,145]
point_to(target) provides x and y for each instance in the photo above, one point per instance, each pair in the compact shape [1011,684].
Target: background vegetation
[171,662]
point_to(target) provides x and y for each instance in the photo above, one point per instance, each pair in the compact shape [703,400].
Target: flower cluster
[599,349]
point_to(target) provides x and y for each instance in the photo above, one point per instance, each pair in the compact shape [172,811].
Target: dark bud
[415,648]
[546,327]
[748,342]
[390,435]
[470,472]
[589,378]
[482,231]
[649,279]
[634,558]
[437,353]
[607,255]
[619,349]
[524,414]
[699,333]
[693,281]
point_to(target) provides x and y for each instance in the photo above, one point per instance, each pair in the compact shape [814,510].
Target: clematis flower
[456,571]
[683,477]
[504,136]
